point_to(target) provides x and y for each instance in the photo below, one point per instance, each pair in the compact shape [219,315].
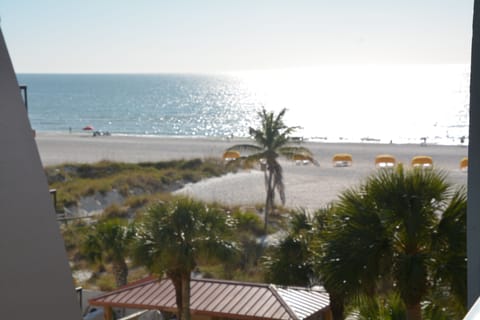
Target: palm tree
[291,263]
[109,241]
[384,237]
[389,307]
[272,140]
[450,245]
[173,236]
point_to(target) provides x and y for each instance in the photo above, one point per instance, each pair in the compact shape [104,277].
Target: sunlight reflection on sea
[398,103]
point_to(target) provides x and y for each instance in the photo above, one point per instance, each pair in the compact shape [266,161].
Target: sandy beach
[307,186]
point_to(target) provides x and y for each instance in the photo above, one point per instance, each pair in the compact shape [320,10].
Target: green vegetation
[128,179]
[272,139]
[393,247]
[173,237]
[145,185]
[109,240]
[386,236]
[292,261]
[248,222]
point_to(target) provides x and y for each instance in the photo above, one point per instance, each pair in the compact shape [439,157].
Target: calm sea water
[331,103]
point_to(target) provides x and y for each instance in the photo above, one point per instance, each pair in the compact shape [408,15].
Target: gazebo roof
[221,298]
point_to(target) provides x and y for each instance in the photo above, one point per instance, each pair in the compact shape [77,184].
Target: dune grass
[141,185]
[74,181]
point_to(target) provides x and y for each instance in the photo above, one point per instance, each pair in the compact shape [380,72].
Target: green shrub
[160,165]
[166,179]
[191,164]
[248,221]
[213,168]
[191,177]
[115,211]
[106,282]
[136,202]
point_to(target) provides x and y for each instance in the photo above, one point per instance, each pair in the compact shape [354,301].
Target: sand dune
[307,186]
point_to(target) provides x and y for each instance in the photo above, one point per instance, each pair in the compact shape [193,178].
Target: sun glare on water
[376,101]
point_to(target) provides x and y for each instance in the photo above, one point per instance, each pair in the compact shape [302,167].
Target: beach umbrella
[342,160]
[464,164]
[87,128]
[385,161]
[422,161]
[231,155]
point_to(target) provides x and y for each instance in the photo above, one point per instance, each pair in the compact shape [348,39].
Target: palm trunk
[185,311]
[177,284]
[120,270]
[268,201]
[337,307]
[414,312]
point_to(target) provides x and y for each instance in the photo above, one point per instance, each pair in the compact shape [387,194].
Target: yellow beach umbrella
[464,164]
[385,161]
[422,161]
[342,160]
[301,158]
[231,155]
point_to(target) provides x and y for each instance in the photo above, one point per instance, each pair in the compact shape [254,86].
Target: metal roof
[221,298]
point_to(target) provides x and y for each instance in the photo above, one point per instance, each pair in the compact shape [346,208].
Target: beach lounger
[301,159]
[385,161]
[464,164]
[422,161]
[342,160]
[231,155]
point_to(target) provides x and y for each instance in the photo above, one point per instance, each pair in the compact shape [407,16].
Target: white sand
[307,186]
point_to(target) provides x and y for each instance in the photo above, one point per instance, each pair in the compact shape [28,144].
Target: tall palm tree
[272,139]
[109,241]
[383,237]
[173,236]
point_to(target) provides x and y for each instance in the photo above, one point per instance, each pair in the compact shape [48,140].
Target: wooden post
[107,313]
[328,314]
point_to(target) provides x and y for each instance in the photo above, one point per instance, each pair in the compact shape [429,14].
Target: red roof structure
[221,298]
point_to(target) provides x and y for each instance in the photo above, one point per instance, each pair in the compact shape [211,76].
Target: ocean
[397,103]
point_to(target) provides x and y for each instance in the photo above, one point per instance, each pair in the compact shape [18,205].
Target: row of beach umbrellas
[346,160]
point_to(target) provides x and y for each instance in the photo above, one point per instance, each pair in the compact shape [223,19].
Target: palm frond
[402,228]
[178,233]
[450,247]
[245,147]
[293,152]
[290,151]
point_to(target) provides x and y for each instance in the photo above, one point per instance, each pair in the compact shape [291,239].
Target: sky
[208,36]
